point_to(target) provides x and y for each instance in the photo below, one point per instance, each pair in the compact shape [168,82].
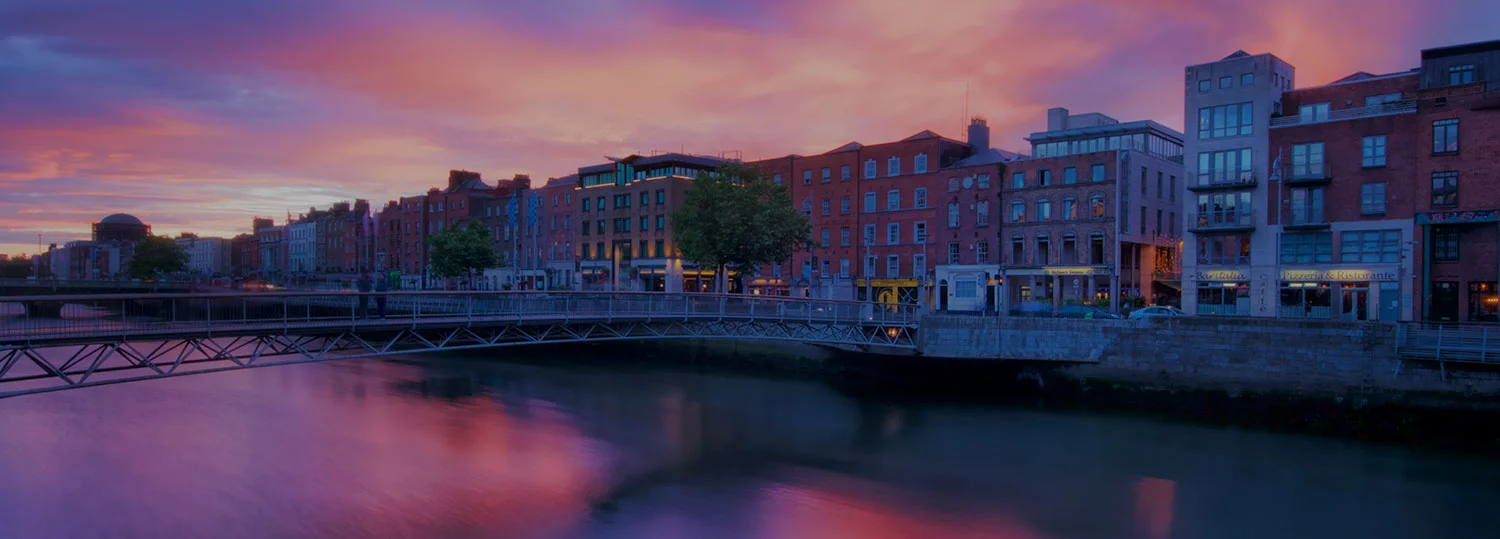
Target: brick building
[1091,213]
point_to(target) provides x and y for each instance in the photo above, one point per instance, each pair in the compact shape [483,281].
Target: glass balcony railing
[1353,113]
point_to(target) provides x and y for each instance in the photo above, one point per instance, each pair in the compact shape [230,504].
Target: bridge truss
[102,340]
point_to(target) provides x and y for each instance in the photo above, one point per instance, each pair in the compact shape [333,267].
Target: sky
[199,115]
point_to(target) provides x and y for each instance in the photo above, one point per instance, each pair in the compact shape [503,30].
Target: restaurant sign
[1341,275]
[1219,275]
[1456,217]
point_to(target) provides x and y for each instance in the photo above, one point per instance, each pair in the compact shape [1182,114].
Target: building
[624,223]
[558,212]
[121,227]
[244,257]
[273,251]
[301,247]
[968,268]
[1090,213]
[1342,201]
[207,257]
[1457,192]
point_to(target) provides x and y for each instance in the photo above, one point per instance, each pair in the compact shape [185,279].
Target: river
[460,446]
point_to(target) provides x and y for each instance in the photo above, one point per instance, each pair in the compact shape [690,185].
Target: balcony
[1355,113]
[1246,182]
[1307,218]
[1309,175]
[1234,227]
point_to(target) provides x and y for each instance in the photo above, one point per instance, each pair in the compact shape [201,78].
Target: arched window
[1096,206]
[919,163]
[893,166]
[807,207]
[1069,208]
[1043,210]
[1018,211]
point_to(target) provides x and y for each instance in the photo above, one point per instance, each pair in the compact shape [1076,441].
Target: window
[919,232]
[1230,166]
[1445,136]
[1462,74]
[645,198]
[1372,198]
[982,252]
[661,196]
[1018,180]
[1445,244]
[1307,248]
[1372,153]
[983,181]
[645,223]
[1096,206]
[919,163]
[599,205]
[1098,173]
[1143,181]
[1224,210]
[1043,177]
[586,255]
[1316,112]
[1069,209]
[869,234]
[1225,82]
[844,237]
[919,198]
[1018,212]
[893,166]
[1444,188]
[1247,79]
[844,205]
[827,175]
[826,207]
[844,175]
[824,238]
[661,222]
[661,248]
[585,229]
[953,184]
[776,179]
[1484,303]
[1226,121]
[869,202]
[1096,248]
[844,266]
[807,177]
[893,233]
[952,252]
[1378,100]
[1172,223]
[1043,250]
[981,213]
[893,200]
[1204,85]
[1214,249]
[1142,220]
[1224,298]
[870,266]
[892,266]
[807,207]
[870,173]
[1043,210]
[1017,250]
[600,227]
[1070,175]
[1369,246]
[585,204]
[1159,182]
[1307,160]
[1307,206]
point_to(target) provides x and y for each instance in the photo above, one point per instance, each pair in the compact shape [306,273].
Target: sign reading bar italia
[1338,275]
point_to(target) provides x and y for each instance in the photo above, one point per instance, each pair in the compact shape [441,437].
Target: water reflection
[459,447]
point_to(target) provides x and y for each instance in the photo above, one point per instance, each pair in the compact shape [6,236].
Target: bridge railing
[57,317]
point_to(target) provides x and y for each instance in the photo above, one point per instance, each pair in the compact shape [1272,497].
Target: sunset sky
[196,115]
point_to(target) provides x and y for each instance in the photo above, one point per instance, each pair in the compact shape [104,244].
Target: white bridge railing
[32,319]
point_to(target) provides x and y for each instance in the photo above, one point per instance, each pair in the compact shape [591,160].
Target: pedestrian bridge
[55,342]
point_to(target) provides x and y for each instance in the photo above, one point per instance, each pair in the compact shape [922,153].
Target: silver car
[1155,311]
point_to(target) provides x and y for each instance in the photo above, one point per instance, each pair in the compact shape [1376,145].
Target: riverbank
[1449,419]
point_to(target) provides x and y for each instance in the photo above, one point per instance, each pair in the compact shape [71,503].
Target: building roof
[121,219]
[1237,54]
[1459,50]
[988,156]
[847,147]
[1112,129]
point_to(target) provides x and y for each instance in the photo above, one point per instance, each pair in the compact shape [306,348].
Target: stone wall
[1202,352]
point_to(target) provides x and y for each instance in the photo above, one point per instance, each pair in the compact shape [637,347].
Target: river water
[455,446]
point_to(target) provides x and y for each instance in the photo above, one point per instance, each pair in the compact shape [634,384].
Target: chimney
[979,134]
[522,181]
[1057,119]
[457,178]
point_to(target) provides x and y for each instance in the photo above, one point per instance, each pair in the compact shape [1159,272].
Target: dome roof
[121,219]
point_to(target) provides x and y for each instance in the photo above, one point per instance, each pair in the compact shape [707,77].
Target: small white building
[302,243]
[207,257]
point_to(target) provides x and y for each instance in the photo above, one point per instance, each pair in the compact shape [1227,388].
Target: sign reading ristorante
[1349,275]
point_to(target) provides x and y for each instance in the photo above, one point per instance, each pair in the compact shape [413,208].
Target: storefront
[1223,293]
[1058,286]
[894,291]
[1372,293]
[769,287]
[967,288]
[652,278]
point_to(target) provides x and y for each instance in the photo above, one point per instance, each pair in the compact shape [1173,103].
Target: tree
[16,268]
[733,220]
[156,256]
[458,251]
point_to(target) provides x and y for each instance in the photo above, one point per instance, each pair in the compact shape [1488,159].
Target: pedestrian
[380,288]
[364,294]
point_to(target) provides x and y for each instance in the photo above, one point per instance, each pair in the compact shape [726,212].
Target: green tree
[16,268]
[459,251]
[733,220]
[156,256]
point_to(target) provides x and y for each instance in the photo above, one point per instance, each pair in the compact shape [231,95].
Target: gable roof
[1237,54]
[925,134]
[854,145]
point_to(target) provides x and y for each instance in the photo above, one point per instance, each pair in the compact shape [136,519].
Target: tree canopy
[156,256]
[16,268]
[733,220]
[459,251]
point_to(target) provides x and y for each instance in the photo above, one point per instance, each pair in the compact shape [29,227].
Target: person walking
[381,286]
[364,294]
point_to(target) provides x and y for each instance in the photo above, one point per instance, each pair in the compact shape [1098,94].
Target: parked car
[1086,311]
[1156,311]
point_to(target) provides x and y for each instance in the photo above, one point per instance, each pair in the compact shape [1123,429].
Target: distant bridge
[88,340]
[19,287]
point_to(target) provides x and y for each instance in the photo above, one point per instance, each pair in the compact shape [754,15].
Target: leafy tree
[733,220]
[16,268]
[156,256]
[459,251]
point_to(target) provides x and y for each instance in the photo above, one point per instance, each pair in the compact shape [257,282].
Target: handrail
[1351,113]
[65,298]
